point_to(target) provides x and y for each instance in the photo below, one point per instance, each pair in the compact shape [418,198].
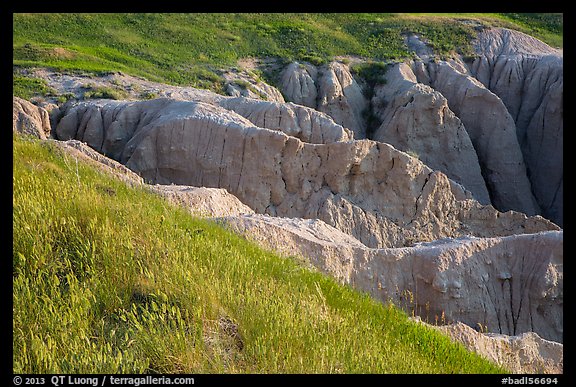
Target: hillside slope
[112,279]
[191,49]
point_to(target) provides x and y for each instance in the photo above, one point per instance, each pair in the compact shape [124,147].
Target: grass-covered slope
[111,279]
[188,49]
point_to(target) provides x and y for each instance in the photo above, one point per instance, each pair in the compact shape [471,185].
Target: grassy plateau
[192,49]
[112,279]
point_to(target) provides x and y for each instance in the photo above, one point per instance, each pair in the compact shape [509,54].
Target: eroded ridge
[367,189]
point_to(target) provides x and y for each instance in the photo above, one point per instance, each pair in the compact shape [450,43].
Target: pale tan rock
[30,119]
[493,133]
[510,285]
[298,84]
[527,75]
[301,122]
[341,97]
[415,118]
[526,353]
[367,189]
[330,89]
[202,201]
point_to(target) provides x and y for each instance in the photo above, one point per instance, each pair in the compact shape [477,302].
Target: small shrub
[372,72]
[241,83]
[105,92]
[148,95]
[314,59]
[63,98]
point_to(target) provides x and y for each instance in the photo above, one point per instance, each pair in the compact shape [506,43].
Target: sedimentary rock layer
[30,119]
[417,118]
[365,188]
[509,285]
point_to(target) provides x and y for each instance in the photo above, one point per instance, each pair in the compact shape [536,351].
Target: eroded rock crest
[367,189]
[30,119]
[330,89]
[416,118]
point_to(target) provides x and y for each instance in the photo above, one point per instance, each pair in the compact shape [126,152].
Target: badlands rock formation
[492,131]
[330,89]
[514,78]
[30,119]
[417,118]
[364,188]
[528,76]
[527,353]
[514,86]
[510,285]
[508,100]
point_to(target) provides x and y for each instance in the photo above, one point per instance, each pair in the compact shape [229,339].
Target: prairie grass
[112,279]
[191,49]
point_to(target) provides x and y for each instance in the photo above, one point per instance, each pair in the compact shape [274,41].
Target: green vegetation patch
[191,49]
[112,279]
[29,87]
[107,92]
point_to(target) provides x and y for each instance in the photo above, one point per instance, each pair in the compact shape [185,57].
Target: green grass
[189,49]
[112,279]
[105,92]
[28,87]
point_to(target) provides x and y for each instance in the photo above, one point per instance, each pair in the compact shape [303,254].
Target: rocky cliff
[528,77]
[417,118]
[507,102]
[367,189]
[330,89]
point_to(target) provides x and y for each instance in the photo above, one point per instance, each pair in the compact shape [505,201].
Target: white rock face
[417,118]
[364,188]
[527,75]
[30,119]
[298,84]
